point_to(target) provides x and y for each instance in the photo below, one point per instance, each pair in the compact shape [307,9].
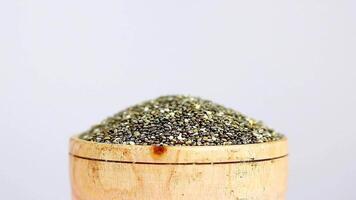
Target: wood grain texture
[123,172]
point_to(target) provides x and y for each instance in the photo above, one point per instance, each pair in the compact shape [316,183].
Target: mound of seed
[180,120]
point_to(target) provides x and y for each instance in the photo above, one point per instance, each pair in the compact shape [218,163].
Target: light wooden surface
[123,172]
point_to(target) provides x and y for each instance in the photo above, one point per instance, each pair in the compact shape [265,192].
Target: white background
[65,65]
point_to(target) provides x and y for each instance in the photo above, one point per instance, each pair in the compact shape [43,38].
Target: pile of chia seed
[180,120]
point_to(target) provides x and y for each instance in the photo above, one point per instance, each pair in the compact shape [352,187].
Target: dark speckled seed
[180,120]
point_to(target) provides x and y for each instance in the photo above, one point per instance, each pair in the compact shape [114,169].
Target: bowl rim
[153,154]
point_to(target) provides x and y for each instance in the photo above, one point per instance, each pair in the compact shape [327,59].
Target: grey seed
[136,133]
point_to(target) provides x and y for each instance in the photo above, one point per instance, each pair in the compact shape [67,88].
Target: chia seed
[180,120]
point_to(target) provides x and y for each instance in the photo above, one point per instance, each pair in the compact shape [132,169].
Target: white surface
[65,65]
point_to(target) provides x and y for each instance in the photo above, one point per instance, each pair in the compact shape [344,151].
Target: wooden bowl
[122,172]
